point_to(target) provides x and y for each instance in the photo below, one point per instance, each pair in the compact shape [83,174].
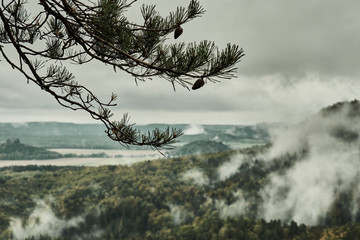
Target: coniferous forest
[178,198]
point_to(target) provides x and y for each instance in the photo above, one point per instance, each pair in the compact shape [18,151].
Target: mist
[195,176]
[325,163]
[179,214]
[330,166]
[237,208]
[194,129]
[229,168]
[41,222]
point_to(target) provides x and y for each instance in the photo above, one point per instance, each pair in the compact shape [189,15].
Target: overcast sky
[300,57]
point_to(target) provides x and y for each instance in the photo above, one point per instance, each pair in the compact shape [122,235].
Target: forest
[178,198]
[303,185]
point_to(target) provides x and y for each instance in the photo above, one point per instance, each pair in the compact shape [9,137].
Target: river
[116,157]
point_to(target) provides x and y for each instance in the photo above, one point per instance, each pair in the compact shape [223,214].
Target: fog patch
[179,214]
[19,124]
[235,209]
[41,222]
[355,208]
[285,141]
[229,168]
[196,176]
[194,129]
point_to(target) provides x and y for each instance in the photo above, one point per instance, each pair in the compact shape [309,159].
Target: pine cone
[178,31]
[198,84]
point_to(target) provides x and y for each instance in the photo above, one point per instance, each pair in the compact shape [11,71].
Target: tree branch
[80,32]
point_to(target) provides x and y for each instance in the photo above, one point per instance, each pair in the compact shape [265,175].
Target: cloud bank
[298,59]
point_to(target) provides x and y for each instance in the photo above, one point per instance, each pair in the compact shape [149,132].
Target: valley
[303,184]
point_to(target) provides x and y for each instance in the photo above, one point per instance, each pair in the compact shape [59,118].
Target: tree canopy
[79,32]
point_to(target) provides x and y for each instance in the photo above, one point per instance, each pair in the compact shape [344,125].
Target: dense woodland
[154,200]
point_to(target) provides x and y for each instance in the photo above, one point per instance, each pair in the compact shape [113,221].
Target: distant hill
[57,135]
[13,149]
[340,120]
[200,147]
[93,136]
[352,109]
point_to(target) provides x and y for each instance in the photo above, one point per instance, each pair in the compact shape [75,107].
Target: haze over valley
[279,181]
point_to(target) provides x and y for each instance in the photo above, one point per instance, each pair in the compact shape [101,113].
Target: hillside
[213,196]
[333,126]
[352,109]
[57,135]
[200,147]
[13,149]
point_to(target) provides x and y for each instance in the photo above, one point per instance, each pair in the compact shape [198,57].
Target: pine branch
[81,31]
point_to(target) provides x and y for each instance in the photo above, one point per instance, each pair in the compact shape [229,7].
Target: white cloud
[41,222]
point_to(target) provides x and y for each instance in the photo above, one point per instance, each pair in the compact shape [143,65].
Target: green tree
[74,31]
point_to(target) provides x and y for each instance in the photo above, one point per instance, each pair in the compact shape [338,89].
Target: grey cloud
[312,45]
[290,37]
